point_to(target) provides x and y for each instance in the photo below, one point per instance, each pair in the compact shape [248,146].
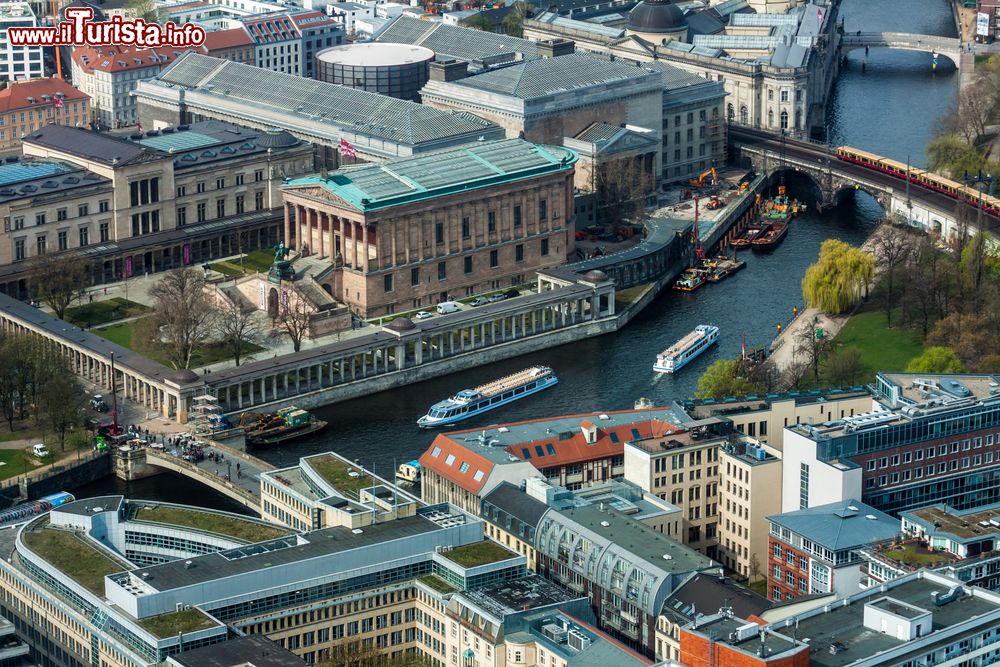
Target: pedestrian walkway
[784,347]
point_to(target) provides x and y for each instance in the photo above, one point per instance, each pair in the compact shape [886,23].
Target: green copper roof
[400,181]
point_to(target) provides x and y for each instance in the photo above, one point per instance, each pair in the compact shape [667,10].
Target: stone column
[288,225]
[355,243]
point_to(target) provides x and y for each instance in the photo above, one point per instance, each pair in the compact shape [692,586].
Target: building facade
[412,232]
[288,42]
[26,106]
[233,44]
[19,63]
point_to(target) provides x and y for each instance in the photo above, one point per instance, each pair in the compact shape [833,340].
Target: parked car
[423,315]
[39,450]
[499,296]
[511,294]
[479,301]
[446,307]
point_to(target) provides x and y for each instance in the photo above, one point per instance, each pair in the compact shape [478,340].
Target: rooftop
[846,524]
[73,555]
[92,146]
[726,629]
[405,180]
[230,525]
[589,646]
[438,584]
[177,622]
[227,39]
[708,593]
[457,42]
[511,597]
[916,388]
[972,524]
[523,508]
[311,107]
[27,178]
[122,58]
[914,554]
[346,478]
[478,553]
[728,406]
[37,93]
[256,650]
[372,54]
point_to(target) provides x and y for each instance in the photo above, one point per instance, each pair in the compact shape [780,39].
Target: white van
[39,450]
[446,307]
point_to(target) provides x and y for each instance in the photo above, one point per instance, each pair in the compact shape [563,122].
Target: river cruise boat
[471,402]
[680,353]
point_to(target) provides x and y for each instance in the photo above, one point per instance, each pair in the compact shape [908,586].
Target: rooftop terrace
[478,553]
[518,595]
[72,555]
[975,524]
[169,625]
[346,478]
[245,530]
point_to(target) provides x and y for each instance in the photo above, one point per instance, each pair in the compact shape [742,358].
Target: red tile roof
[227,39]
[444,448]
[16,94]
[307,20]
[122,58]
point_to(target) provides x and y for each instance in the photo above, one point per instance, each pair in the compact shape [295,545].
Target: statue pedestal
[280,270]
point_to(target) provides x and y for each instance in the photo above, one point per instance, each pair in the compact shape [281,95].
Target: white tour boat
[674,357]
[471,402]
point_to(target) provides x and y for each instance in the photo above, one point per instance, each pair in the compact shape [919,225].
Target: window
[40,244]
[181,216]
[18,250]
[258,175]
[220,208]
[239,179]
[39,219]
[62,238]
[201,212]
[494,259]
[439,233]
[519,252]
[240,205]
[387,282]
[82,210]
[543,213]
[491,221]
[466,229]
[104,231]
[102,206]
[60,214]
[258,200]
[220,183]
[468,264]
[84,236]
[517,216]
[545,248]
[442,271]
[414,277]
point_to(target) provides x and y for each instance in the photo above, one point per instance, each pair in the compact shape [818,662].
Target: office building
[26,106]
[19,63]
[288,42]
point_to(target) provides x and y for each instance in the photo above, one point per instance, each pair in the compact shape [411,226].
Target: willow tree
[840,279]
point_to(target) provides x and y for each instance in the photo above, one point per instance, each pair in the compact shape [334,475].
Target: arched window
[744,116]
[730,113]
[770,118]
[784,120]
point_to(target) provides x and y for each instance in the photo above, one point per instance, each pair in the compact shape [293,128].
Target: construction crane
[700,181]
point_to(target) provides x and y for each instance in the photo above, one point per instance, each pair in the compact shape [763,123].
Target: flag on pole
[347,149]
[819,11]
[58,103]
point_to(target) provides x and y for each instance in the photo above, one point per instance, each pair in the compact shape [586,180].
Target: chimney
[551,48]
[449,70]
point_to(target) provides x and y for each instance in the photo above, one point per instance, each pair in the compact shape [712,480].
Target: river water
[890,108]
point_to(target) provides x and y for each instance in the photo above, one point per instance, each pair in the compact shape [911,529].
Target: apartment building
[25,106]
[766,418]
[814,550]
[932,440]
[234,44]
[155,201]
[287,42]
[127,583]
[19,63]
[749,479]
[574,452]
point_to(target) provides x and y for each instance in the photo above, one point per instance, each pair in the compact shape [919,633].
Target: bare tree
[57,279]
[60,396]
[844,367]
[237,324]
[812,345]
[754,567]
[622,187]
[892,249]
[182,319]
[294,319]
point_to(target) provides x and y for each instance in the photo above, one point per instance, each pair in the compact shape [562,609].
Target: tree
[479,22]
[144,9]
[754,567]
[936,360]
[60,396]
[294,320]
[844,367]
[57,279]
[840,279]
[967,334]
[182,319]
[722,378]
[622,187]
[237,324]
[892,249]
[513,23]
[8,382]
[811,345]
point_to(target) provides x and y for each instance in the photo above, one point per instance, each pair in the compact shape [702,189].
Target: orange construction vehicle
[713,204]
[700,181]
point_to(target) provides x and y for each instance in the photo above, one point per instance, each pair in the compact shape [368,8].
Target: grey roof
[707,593]
[256,650]
[599,132]
[539,78]
[524,509]
[705,22]
[451,41]
[87,144]
[35,177]
[344,109]
[601,651]
[510,597]
[845,524]
[656,16]
[212,141]
[589,26]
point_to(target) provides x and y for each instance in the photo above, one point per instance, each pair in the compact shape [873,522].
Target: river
[890,108]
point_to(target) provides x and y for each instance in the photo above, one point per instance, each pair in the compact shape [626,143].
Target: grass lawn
[335,472]
[478,553]
[258,260]
[882,349]
[437,583]
[16,461]
[100,312]
[914,555]
[759,587]
[177,622]
[240,529]
[74,556]
[203,356]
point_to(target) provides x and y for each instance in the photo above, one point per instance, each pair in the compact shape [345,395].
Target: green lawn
[235,527]
[177,622]
[74,556]
[882,349]
[759,587]
[337,473]
[437,583]
[478,553]
[912,554]
[101,312]
[258,260]
[16,461]
[209,354]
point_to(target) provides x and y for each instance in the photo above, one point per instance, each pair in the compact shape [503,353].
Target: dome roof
[183,375]
[595,276]
[401,324]
[656,16]
[276,138]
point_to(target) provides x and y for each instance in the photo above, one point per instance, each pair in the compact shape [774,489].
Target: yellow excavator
[700,181]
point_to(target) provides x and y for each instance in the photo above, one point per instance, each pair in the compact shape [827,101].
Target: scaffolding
[206,415]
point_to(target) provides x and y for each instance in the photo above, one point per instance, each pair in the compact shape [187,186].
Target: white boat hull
[431,422]
[686,357]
